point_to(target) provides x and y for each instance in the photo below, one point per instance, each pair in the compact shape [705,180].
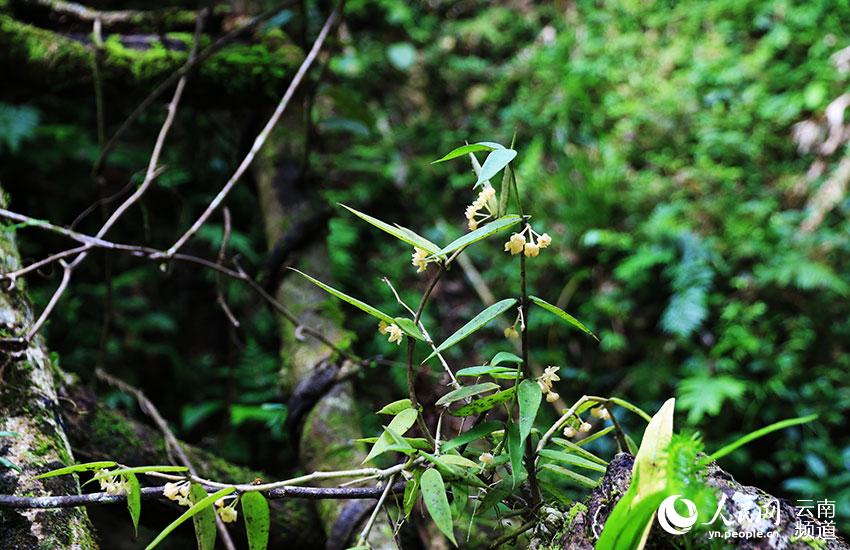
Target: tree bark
[29,408]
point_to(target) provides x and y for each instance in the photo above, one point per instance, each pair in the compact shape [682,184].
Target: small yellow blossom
[420,259]
[485,458]
[511,333]
[170,491]
[545,380]
[552,396]
[473,225]
[569,432]
[531,250]
[515,244]
[601,413]
[394,333]
[228,514]
[544,240]
[585,427]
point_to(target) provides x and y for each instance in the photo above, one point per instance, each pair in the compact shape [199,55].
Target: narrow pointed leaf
[487,370]
[562,315]
[529,396]
[255,511]
[465,150]
[202,504]
[401,233]
[476,323]
[409,328]
[481,233]
[140,470]
[482,430]
[781,425]
[515,453]
[458,460]
[596,435]
[399,424]
[466,391]
[628,406]
[396,407]
[411,491]
[485,403]
[363,306]
[572,460]
[574,448]
[204,520]
[77,468]
[584,481]
[437,503]
[496,160]
[134,501]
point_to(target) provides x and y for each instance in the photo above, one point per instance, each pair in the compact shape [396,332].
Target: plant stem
[529,449]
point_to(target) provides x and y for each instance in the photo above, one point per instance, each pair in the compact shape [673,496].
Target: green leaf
[574,448]
[401,233]
[481,233]
[454,471]
[482,430]
[505,192]
[396,407]
[781,425]
[584,481]
[627,523]
[9,434]
[411,491]
[573,460]
[494,163]
[705,395]
[465,150]
[562,315]
[466,391]
[515,453]
[78,468]
[134,501]
[629,406]
[202,504]
[363,306]
[436,502]
[594,436]
[400,423]
[204,520]
[409,328]
[485,403]
[416,442]
[505,357]
[529,396]
[398,442]
[457,460]
[476,323]
[495,372]
[6,463]
[255,510]
[139,470]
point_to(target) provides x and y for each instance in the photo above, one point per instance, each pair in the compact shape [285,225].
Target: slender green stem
[524,302]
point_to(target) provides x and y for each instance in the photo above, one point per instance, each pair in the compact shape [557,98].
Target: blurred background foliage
[656,148]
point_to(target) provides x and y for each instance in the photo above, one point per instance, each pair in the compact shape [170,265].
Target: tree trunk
[29,408]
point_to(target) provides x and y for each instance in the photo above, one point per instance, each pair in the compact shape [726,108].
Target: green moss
[576,509]
[112,431]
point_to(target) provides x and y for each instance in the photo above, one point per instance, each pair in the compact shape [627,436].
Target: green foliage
[255,511]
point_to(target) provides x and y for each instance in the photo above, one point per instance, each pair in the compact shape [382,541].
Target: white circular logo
[673,522]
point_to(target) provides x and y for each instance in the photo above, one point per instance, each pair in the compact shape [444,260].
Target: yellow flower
[545,380]
[485,458]
[511,333]
[394,333]
[473,225]
[227,514]
[544,240]
[382,327]
[420,259]
[515,244]
[471,210]
[531,250]
[170,491]
[552,396]
[569,432]
[585,427]
[601,413]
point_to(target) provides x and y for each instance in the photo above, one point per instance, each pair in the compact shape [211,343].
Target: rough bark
[99,433]
[576,529]
[29,408]
[331,424]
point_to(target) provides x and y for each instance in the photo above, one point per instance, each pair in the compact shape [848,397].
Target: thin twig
[364,534]
[225,237]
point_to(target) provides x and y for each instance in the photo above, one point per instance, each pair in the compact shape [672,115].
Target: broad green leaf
[202,504]
[396,407]
[204,520]
[78,468]
[505,357]
[255,510]
[411,491]
[781,425]
[630,407]
[494,163]
[400,423]
[627,523]
[401,233]
[574,448]
[465,150]
[398,442]
[482,430]
[572,460]
[458,460]
[134,501]
[584,481]
[454,471]
[416,442]
[562,315]
[409,328]
[363,306]
[476,323]
[516,449]
[485,403]
[436,502]
[466,391]
[495,372]
[529,396]
[481,233]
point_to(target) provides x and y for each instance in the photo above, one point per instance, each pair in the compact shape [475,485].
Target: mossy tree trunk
[30,411]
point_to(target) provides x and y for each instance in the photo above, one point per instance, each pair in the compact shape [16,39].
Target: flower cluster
[545,382]
[601,413]
[420,259]
[113,485]
[486,201]
[227,512]
[570,432]
[531,248]
[392,331]
[179,492]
